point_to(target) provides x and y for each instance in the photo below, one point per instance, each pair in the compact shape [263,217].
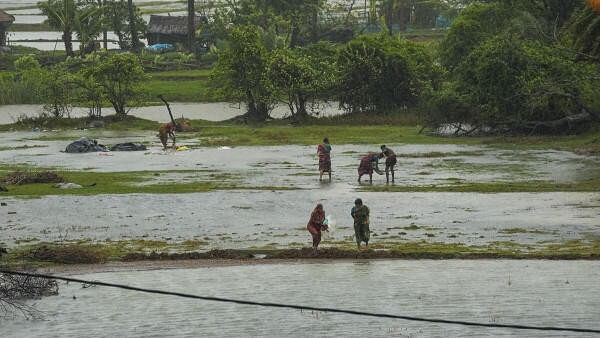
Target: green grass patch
[592,185]
[22,147]
[85,251]
[31,27]
[110,122]
[94,183]
[187,90]
[512,231]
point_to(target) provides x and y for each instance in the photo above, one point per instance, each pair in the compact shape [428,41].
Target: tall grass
[19,91]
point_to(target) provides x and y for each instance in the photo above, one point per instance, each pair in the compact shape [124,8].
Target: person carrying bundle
[166,132]
[316,225]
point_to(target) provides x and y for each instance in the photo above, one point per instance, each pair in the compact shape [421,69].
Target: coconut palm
[70,18]
[61,15]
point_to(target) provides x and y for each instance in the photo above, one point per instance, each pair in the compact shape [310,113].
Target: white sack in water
[330,222]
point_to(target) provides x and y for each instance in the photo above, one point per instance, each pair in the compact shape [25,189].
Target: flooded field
[516,292]
[258,212]
[217,111]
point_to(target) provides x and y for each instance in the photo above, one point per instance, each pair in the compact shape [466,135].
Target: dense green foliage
[512,70]
[92,81]
[503,66]
[379,73]
[241,69]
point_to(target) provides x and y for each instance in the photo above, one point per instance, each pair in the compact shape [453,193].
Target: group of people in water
[360,212]
[369,162]
[317,223]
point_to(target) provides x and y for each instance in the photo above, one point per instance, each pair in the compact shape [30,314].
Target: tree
[382,73]
[14,290]
[191,25]
[119,76]
[117,20]
[70,16]
[135,41]
[61,15]
[476,24]
[240,71]
[585,32]
[299,76]
[59,88]
[89,24]
[524,86]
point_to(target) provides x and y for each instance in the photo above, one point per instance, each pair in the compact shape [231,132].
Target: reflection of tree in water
[16,290]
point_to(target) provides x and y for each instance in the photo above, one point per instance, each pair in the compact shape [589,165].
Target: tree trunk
[257,111]
[68,40]
[191,26]
[104,32]
[132,29]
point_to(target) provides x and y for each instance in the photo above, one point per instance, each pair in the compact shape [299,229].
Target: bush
[381,73]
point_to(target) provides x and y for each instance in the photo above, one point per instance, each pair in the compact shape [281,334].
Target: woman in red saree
[324,153]
[315,224]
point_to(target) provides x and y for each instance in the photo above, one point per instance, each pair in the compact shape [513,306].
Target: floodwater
[266,215]
[28,39]
[539,293]
[217,111]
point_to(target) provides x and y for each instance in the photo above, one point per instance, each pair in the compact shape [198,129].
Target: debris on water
[68,186]
[85,145]
[3,204]
[12,212]
[128,146]
[29,177]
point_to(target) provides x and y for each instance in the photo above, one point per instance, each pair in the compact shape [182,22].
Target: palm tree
[132,28]
[61,15]
[191,24]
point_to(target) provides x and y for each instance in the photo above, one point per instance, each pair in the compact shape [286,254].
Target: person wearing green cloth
[360,213]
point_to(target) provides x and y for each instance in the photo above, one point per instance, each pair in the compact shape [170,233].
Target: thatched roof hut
[169,29]
[5,21]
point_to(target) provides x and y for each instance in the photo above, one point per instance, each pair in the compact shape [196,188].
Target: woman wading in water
[315,225]
[324,153]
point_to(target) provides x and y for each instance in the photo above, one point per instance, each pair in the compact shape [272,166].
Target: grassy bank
[181,86]
[86,252]
[592,185]
[131,182]
[346,129]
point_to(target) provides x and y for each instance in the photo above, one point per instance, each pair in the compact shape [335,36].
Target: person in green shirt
[360,213]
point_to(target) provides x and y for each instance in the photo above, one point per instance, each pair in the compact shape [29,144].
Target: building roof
[177,25]
[6,18]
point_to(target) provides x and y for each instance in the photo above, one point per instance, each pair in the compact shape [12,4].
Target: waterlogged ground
[538,293]
[217,111]
[258,209]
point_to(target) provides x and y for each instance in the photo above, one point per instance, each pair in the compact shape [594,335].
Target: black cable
[302,307]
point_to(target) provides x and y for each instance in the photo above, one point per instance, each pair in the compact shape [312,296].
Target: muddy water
[218,111]
[242,219]
[23,38]
[515,292]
